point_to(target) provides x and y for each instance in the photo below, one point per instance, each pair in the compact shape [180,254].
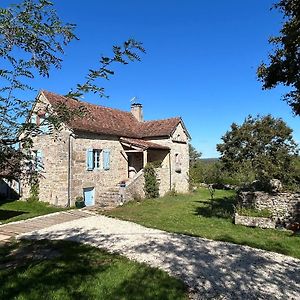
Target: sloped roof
[143,144]
[105,120]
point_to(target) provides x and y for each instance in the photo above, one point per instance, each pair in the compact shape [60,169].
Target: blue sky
[200,64]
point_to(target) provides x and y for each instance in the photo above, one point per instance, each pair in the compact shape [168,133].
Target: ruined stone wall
[285,206]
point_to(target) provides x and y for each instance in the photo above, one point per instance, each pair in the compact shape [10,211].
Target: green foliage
[262,146]
[34,192]
[197,215]
[283,67]
[33,38]
[252,212]
[67,270]
[194,155]
[151,183]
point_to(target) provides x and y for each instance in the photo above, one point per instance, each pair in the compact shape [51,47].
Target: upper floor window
[41,121]
[93,159]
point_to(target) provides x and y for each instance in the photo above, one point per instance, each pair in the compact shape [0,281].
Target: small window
[177,163]
[96,153]
[43,123]
[93,159]
[33,119]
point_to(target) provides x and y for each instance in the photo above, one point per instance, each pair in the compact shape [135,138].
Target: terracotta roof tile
[105,120]
[143,144]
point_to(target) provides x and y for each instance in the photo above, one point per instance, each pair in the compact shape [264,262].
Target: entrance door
[88,196]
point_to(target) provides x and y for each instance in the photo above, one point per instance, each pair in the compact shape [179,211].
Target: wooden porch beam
[145,158]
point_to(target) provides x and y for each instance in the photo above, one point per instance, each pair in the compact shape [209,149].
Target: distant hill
[209,160]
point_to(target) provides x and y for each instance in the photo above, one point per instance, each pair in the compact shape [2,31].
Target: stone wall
[284,206]
[135,188]
[254,221]
[178,143]
[99,179]
[163,176]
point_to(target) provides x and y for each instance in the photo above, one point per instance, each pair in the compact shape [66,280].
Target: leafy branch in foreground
[284,61]
[32,41]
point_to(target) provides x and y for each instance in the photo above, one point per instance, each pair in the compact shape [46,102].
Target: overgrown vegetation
[198,215]
[252,212]
[68,270]
[151,183]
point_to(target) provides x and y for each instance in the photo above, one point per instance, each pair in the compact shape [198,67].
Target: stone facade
[284,206]
[65,175]
[177,160]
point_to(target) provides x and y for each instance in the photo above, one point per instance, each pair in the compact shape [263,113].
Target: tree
[284,61]
[194,155]
[32,43]
[262,145]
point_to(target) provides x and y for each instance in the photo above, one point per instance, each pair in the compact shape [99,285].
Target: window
[93,159]
[44,125]
[38,160]
[177,163]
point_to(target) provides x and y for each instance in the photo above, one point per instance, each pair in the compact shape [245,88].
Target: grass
[197,215]
[67,270]
[11,211]
[252,212]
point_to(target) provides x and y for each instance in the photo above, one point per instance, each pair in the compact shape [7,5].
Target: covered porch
[139,152]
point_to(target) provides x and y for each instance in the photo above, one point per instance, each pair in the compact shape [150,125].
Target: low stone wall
[135,189]
[284,206]
[254,221]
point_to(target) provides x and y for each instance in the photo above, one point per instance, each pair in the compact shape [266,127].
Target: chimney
[137,111]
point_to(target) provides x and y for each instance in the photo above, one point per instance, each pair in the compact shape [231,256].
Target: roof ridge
[165,119]
[88,103]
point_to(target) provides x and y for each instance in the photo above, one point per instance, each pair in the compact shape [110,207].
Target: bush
[34,192]
[151,183]
[252,212]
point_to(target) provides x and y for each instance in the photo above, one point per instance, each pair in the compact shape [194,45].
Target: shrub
[151,183]
[252,212]
[34,192]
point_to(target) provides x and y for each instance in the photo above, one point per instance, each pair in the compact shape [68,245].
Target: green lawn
[11,211]
[197,215]
[67,270]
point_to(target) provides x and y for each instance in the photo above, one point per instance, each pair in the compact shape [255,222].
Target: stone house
[101,155]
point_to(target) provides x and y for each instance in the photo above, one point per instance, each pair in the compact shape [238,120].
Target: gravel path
[212,270]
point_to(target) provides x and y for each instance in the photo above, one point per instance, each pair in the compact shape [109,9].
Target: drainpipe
[69,169]
[170,171]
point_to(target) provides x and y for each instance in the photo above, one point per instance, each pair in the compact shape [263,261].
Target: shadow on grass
[211,269]
[219,207]
[8,214]
[68,270]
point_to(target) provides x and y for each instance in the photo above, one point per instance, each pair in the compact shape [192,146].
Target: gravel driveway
[212,270]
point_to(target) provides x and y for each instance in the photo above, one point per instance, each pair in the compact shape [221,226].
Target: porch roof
[142,144]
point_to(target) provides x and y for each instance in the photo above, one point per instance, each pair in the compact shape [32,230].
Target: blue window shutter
[89,160]
[44,127]
[39,160]
[33,119]
[106,159]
